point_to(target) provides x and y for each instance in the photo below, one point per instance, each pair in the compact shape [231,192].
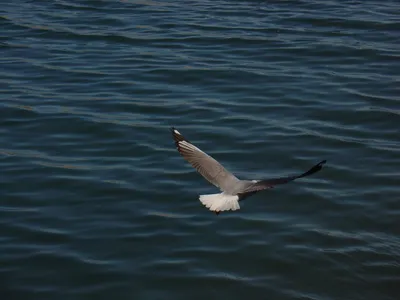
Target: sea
[97,203]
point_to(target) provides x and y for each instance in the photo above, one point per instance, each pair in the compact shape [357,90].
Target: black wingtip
[314,169]
[173,131]
[177,136]
[319,165]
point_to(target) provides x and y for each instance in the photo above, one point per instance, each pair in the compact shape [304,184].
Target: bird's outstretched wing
[207,166]
[269,183]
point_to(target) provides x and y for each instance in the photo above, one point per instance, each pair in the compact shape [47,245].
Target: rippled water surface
[95,201]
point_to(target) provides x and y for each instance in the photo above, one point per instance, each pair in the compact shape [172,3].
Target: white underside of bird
[220,202]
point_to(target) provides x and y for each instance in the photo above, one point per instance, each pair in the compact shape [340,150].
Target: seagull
[233,189]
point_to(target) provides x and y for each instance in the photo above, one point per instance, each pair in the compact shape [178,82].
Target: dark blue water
[95,201]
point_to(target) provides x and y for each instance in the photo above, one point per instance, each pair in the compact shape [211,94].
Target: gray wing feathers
[269,183]
[207,166]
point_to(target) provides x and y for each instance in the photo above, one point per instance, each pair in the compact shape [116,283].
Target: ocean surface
[95,201]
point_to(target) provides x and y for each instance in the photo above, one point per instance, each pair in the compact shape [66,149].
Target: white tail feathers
[220,202]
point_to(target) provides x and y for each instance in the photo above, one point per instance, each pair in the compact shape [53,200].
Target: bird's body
[233,189]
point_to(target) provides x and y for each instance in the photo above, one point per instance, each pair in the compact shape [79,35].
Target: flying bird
[233,189]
